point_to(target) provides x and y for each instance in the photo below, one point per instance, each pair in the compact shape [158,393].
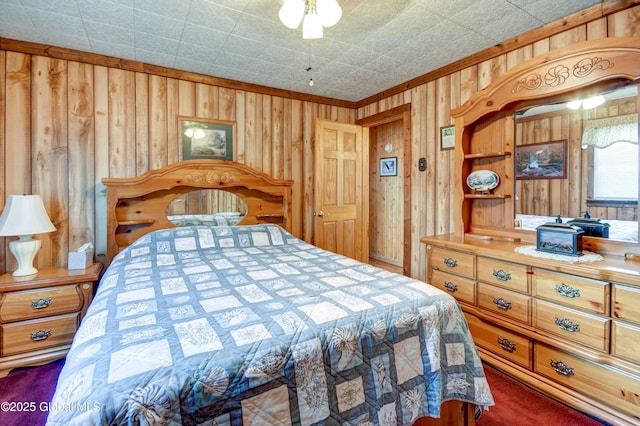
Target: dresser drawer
[29,336]
[581,327]
[626,303]
[581,293]
[505,274]
[44,302]
[463,289]
[505,302]
[455,262]
[611,386]
[625,341]
[506,344]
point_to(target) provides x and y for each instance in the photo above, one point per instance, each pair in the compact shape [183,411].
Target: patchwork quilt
[249,325]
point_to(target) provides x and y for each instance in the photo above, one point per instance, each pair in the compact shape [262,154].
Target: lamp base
[25,250]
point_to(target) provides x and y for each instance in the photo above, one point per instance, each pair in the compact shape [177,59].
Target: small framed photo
[202,138]
[447,137]
[389,166]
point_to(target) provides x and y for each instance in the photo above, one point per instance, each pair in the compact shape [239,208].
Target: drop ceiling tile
[59,7]
[159,25]
[52,25]
[197,53]
[107,13]
[15,15]
[97,31]
[170,8]
[204,36]
[211,15]
[153,43]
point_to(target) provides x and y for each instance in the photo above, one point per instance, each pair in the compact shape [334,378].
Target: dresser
[570,330]
[39,314]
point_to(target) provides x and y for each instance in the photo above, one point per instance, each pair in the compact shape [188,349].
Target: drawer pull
[40,303]
[40,335]
[451,286]
[450,262]
[501,303]
[501,275]
[562,368]
[567,291]
[567,325]
[506,344]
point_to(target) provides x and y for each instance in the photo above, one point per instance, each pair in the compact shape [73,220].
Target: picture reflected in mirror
[593,178]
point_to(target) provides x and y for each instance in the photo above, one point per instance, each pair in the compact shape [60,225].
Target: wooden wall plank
[122,148]
[158,122]
[49,147]
[101,156]
[81,137]
[143,125]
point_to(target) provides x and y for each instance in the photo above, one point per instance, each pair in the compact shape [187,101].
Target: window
[615,171]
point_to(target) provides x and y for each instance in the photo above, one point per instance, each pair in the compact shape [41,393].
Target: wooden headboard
[138,205]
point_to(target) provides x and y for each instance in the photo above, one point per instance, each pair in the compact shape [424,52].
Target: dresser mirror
[577,158]
[206,206]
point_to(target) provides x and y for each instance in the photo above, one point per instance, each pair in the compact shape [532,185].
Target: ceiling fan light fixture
[314,15]
[574,105]
[593,102]
[312,27]
[329,12]
[291,13]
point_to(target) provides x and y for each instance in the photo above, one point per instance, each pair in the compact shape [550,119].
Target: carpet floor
[516,404]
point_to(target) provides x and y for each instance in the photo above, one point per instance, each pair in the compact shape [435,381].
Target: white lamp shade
[291,13]
[329,12]
[312,27]
[24,215]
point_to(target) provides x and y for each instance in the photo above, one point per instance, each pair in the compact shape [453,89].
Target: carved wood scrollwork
[559,74]
[210,177]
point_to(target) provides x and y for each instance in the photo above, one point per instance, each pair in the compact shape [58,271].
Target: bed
[249,325]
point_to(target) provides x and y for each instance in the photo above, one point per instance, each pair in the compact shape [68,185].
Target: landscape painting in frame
[207,139]
[546,160]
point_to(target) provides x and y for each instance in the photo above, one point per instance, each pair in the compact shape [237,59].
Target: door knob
[320,213]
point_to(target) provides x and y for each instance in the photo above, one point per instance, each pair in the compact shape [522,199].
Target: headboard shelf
[138,205]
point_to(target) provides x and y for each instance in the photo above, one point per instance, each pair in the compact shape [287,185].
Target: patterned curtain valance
[604,132]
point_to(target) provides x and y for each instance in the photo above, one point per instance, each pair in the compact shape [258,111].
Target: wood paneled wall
[66,123]
[432,101]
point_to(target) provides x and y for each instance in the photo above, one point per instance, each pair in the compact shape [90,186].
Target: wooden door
[341,189]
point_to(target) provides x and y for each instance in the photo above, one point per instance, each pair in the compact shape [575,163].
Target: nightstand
[40,313]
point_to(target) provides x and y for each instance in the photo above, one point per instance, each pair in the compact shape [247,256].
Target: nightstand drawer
[609,385]
[582,293]
[508,345]
[625,341]
[581,327]
[461,288]
[504,274]
[505,302]
[625,302]
[44,302]
[29,336]
[455,262]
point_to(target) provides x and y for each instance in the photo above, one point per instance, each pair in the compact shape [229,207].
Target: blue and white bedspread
[251,326]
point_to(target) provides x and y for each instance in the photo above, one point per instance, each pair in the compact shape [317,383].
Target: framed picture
[389,166]
[447,137]
[546,160]
[203,138]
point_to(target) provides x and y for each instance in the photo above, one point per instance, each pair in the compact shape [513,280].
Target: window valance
[604,132]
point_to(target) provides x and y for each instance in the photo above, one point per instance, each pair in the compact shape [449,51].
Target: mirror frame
[609,62]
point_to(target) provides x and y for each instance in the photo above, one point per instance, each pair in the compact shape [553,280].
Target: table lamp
[23,216]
